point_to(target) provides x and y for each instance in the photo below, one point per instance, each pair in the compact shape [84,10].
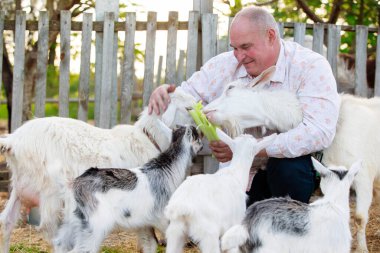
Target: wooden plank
[128,84]
[318,33]
[42,58]
[106,86]
[84,81]
[181,67]
[64,67]
[101,7]
[159,71]
[192,44]
[229,48]
[299,33]
[209,36]
[281,29]
[149,56]
[141,26]
[114,78]
[361,87]
[18,70]
[171,49]
[377,73]
[2,14]
[333,43]
[98,75]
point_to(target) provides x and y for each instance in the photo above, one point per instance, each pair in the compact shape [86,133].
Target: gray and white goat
[286,225]
[52,151]
[129,198]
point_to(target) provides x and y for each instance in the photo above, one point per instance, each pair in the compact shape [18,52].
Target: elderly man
[257,46]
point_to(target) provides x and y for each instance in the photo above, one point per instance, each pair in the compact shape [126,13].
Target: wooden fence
[202,44]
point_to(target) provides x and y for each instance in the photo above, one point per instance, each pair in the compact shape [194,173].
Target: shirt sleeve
[320,104]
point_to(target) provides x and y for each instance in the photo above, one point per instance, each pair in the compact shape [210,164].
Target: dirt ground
[124,242]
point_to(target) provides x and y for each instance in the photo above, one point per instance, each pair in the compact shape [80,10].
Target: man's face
[253,48]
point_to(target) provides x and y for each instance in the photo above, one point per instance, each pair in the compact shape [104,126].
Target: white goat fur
[285,225]
[130,198]
[358,137]
[45,154]
[245,106]
[205,206]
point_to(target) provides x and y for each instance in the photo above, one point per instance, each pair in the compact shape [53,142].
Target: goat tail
[234,237]
[175,212]
[5,146]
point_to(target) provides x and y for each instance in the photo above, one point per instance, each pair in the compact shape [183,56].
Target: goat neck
[155,129]
[243,155]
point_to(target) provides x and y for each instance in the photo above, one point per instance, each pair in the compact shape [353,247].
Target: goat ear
[264,77]
[355,167]
[225,138]
[319,166]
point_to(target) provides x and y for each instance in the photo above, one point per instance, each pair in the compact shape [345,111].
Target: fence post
[84,81]
[299,33]
[1,48]
[203,6]
[149,56]
[102,6]
[64,65]
[171,48]
[333,42]
[128,71]
[361,87]
[42,58]
[107,71]
[192,43]
[209,34]
[18,70]
[318,33]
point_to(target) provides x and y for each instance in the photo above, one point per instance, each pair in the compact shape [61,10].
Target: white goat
[44,154]
[241,107]
[129,198]
[358,137]
[205,206]
[286,225]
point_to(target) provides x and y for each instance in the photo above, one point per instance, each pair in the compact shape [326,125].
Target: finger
[171,88]
[161,105]
[150,108]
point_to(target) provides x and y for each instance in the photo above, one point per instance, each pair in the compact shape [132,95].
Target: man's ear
[271,35]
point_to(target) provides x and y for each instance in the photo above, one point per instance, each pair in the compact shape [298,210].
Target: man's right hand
[160,98]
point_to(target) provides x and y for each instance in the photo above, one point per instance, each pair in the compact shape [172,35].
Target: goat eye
[231,87]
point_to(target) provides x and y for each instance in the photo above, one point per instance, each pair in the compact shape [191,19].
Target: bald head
[260,17]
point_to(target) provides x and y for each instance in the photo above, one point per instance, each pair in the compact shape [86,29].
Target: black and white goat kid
[286,225]
[130,198]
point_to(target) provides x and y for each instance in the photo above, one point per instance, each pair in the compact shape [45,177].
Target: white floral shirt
[299,70]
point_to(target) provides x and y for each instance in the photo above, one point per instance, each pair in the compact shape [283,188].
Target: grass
[20,248]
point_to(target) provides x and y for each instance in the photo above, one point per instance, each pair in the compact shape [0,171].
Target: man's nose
[240,55]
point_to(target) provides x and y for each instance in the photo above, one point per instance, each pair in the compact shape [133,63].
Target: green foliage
[350,13]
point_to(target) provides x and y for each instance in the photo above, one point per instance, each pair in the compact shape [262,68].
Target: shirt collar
[279,75]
